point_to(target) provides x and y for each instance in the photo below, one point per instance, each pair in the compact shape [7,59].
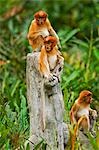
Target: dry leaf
[2,62]
[12,12]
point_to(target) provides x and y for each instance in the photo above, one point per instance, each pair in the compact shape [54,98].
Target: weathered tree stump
[56,131]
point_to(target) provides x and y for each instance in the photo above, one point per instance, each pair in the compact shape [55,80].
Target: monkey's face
[50,42]
[48,46]
[40,17]
[87,99]
[40,20]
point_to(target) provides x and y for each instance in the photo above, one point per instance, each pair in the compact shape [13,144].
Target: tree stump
[56,131]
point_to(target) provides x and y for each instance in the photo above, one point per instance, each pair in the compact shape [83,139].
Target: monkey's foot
[93,134]
[58,77]
[51,82]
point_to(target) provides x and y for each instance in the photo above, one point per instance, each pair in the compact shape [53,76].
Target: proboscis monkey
[50,60]
[50,66]
[80,113]
[39,29]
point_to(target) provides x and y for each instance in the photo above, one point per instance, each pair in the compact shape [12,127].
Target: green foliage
[13,113]
[93,141]
[13,124]
[40,145]
[81,66]
[77,24]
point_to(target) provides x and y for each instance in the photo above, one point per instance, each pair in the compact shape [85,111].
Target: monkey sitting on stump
[50,60]
[39,29]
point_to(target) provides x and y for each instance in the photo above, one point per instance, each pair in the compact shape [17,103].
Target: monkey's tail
[75,132]
[42,106]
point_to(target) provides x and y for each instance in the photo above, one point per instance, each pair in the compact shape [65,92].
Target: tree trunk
[45,101]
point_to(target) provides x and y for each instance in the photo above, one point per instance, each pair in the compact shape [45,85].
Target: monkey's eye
[89,94]
[48,42]
[84,99]
[38,19]
[41,17]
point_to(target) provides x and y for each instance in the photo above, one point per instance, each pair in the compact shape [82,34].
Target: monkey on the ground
[39,29]
[50,60]
[81,108]
[80,114]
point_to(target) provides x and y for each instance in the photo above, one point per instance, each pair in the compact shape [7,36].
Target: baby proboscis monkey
[50,66]
[50,60]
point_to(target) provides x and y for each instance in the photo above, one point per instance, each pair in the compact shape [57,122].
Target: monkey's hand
[48,76]
[57,76]
[52,77]
[51,81]
[94,114]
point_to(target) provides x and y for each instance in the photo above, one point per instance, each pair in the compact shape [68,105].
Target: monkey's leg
[59,67]
[92,118]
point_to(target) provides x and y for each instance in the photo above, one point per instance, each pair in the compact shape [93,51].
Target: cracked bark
[56,131]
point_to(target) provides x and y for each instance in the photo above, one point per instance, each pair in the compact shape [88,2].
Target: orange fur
[49,59]
[40,14]
[83,118]
[37,32]
[81,107]
[79,113]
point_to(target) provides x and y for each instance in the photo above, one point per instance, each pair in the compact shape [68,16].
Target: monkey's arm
[92,118]
[93,113]
[59,65]
[34,35]
[73,113]
[53,33]
[35,38]
[33,31]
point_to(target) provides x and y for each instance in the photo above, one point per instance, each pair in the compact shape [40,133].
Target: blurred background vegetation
[77,24]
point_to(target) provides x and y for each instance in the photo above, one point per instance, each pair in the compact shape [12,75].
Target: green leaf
[70,78]
[70,35]
[23,113]
[15,87]
[4,81]
[44,146]
[80,42]
[36,147]
[7,145]
[96,52]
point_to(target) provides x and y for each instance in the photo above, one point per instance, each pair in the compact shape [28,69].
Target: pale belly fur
[45,32]
[52,61]
[84,111]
